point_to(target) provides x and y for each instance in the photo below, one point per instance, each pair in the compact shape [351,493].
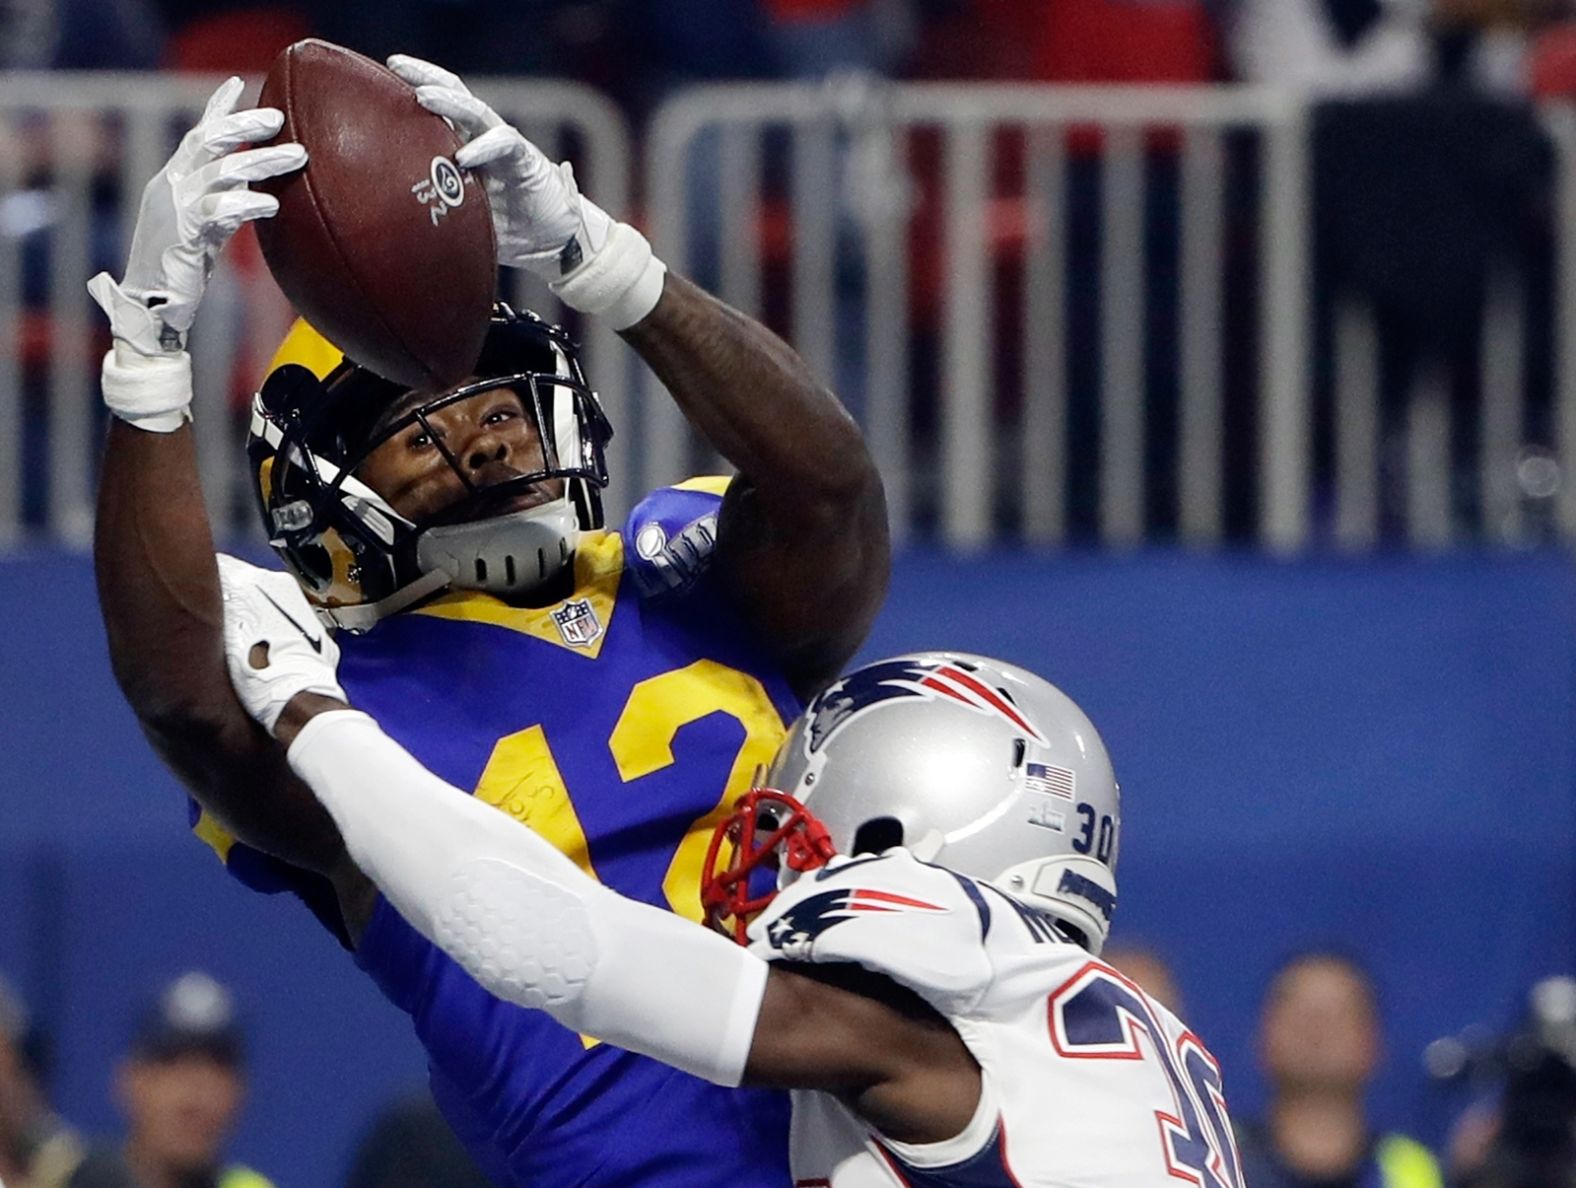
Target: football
[381,242]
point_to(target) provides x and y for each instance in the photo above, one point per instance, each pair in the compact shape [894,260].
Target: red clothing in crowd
[1073,41]
[1124,41]
[788,11]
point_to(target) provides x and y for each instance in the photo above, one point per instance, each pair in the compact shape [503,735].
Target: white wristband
[153,393]
[622,283]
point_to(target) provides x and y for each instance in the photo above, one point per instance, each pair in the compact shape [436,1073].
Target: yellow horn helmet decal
[307,348]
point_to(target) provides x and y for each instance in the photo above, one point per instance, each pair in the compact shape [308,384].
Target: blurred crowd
[637,50]
[180,1087]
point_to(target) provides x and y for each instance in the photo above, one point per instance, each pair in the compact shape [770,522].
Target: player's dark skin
[802,545]
[490,435]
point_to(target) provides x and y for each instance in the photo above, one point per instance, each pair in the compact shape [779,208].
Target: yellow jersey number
[522,777]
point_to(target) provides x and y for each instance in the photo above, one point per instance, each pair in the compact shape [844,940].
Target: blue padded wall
[1375,755]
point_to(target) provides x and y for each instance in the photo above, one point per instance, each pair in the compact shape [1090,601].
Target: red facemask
[767,829]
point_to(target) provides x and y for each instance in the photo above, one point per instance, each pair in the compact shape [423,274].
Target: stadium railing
[1062,314]
[1124,344]
[855,176]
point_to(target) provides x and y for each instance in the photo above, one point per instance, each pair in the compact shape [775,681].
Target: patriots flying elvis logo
[813,915]
[877,684]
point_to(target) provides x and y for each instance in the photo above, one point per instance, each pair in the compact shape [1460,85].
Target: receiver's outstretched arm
[802,539]
[153,553]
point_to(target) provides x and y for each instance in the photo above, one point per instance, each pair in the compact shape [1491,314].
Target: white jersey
[1087,1082]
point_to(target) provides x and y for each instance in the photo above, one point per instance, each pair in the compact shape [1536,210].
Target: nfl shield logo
[577,623]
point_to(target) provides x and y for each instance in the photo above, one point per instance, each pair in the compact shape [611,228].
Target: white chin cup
[1078,890]
[506,555]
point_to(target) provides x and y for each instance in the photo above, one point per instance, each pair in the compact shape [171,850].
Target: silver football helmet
[973,764]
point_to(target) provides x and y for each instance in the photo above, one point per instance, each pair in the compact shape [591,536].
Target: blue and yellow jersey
[619,724]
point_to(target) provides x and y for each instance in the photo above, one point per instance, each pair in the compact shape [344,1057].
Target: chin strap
[364,616]
[505,555]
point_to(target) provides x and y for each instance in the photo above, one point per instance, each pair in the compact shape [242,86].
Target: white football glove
[542,221]
[189,211]
[266,606]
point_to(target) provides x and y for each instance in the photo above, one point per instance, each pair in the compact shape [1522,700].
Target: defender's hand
[274,645]
[189,211]
[542,221]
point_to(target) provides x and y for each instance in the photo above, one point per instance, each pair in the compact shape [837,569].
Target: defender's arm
[532,928]
[802,538]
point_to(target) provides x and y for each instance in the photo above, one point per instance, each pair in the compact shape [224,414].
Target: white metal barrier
[65,140]
[774,194]
[864,196]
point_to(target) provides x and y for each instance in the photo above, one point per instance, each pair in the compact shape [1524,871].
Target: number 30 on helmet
[319,415]
[972,764]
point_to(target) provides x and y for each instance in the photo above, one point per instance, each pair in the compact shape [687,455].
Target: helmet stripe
[938,686]
[991,698]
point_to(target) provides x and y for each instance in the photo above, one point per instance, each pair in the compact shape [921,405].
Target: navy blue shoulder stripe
[1040,925]
[971,889]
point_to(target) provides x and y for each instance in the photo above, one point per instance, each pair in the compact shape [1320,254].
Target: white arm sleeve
[524,920]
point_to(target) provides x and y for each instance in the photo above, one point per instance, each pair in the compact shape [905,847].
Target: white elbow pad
[524,937]
[524,920]
[625,972]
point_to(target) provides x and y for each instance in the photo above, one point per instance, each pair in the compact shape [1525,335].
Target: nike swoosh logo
[316,642]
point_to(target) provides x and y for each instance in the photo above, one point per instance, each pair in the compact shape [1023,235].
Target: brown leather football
[381,242]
